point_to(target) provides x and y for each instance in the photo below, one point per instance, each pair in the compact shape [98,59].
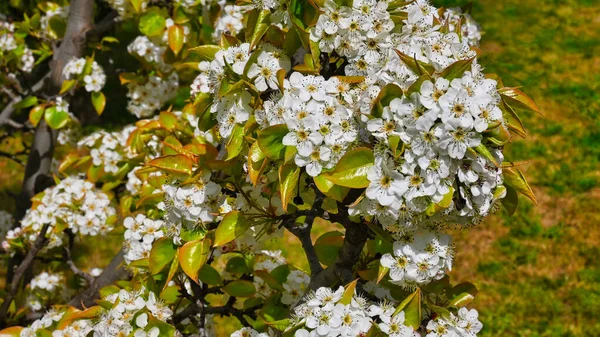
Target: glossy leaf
[161,255]
[462,294]
[98,101]
[385,96]
[240,288]
[351,170]
[178,165]
[206,52]
[55,118]
[233,225]
[263,23]
[36,114]
[511,200]
[515,179]
[210,275]
[412,309]
[413,64]
[328,245]
[330,189]
[270,141]
[457,69]
[288,183]
[518,99]
[193,255]
[67,85]
[152,23]
[176,37]
[348,293]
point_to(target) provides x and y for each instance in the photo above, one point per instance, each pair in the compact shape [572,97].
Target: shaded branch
[38,244]
[69,260]
[112,273]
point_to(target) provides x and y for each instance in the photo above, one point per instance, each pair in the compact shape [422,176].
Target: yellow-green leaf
[240,288]
[233,225]
[176,37]
[288,183]
[351,170]
[98,101]
[206,52]
[515,179]
[193,255]
[270,141]
[55,118]
[161,255]
[330,189]
[178,165]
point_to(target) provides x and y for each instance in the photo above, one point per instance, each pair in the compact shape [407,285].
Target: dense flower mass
[74,204]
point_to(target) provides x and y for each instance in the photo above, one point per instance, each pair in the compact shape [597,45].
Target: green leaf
[512,120]
[262,24]
[381,272]
[462,294]
[484,152]
[176,37]
[210,275]
[351,170]
[36,114]
[456,69]
[192,257]
[328,245]
[511,200]
[99,102]
[152,23]
[330,189]
[55,118]
[57,26]
[256,162]
[178,165]
[206,52]
[515,179]
[304,14]
[235,142]
[412,309]
[270,141]
[348,293]
[137,5]
[161,255]
[240,288]
[26,102]
[67,85]
[385,96]
[233,225]
[281,273]
[413,64]
[288,183]
[518,100]
[237,265]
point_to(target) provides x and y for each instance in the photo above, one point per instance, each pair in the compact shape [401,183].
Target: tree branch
[112,273]
[38,244]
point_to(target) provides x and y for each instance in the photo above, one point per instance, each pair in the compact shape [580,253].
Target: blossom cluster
[294,287]
[147,97]
[54,12]
[94,80]
[49,319]
[469,28]
[139,235]
[74,204]
[131,313]
[9,44]
[419,258]
[465,323]
[107,149]
[125,7]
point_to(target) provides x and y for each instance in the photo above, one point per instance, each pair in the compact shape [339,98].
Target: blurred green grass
[538,271]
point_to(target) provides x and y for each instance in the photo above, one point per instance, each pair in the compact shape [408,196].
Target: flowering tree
[254,118]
